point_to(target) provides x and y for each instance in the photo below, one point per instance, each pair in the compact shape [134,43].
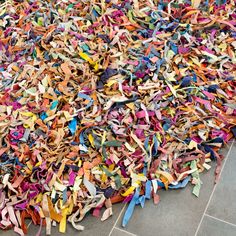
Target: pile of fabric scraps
[106,101]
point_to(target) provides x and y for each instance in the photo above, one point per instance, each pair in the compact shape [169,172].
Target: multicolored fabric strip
[108,101]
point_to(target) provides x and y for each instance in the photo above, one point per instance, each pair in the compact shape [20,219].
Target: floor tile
[178,213]
[212,227]
[223,204]
[117,232]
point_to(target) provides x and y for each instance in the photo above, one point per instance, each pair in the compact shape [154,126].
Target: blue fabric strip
[130,209]
[72,126]
[54,105]
[148,189]
[181,184]
[86,97]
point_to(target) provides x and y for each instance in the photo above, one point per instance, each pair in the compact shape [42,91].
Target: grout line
[208,203]
[124,231]
[226,222]
[123,208]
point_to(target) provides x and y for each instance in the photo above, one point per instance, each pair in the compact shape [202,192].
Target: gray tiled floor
[223,202]
[179,213]
[214,227]
[119,232]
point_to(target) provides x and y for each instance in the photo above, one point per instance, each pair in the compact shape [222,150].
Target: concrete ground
[179,213]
